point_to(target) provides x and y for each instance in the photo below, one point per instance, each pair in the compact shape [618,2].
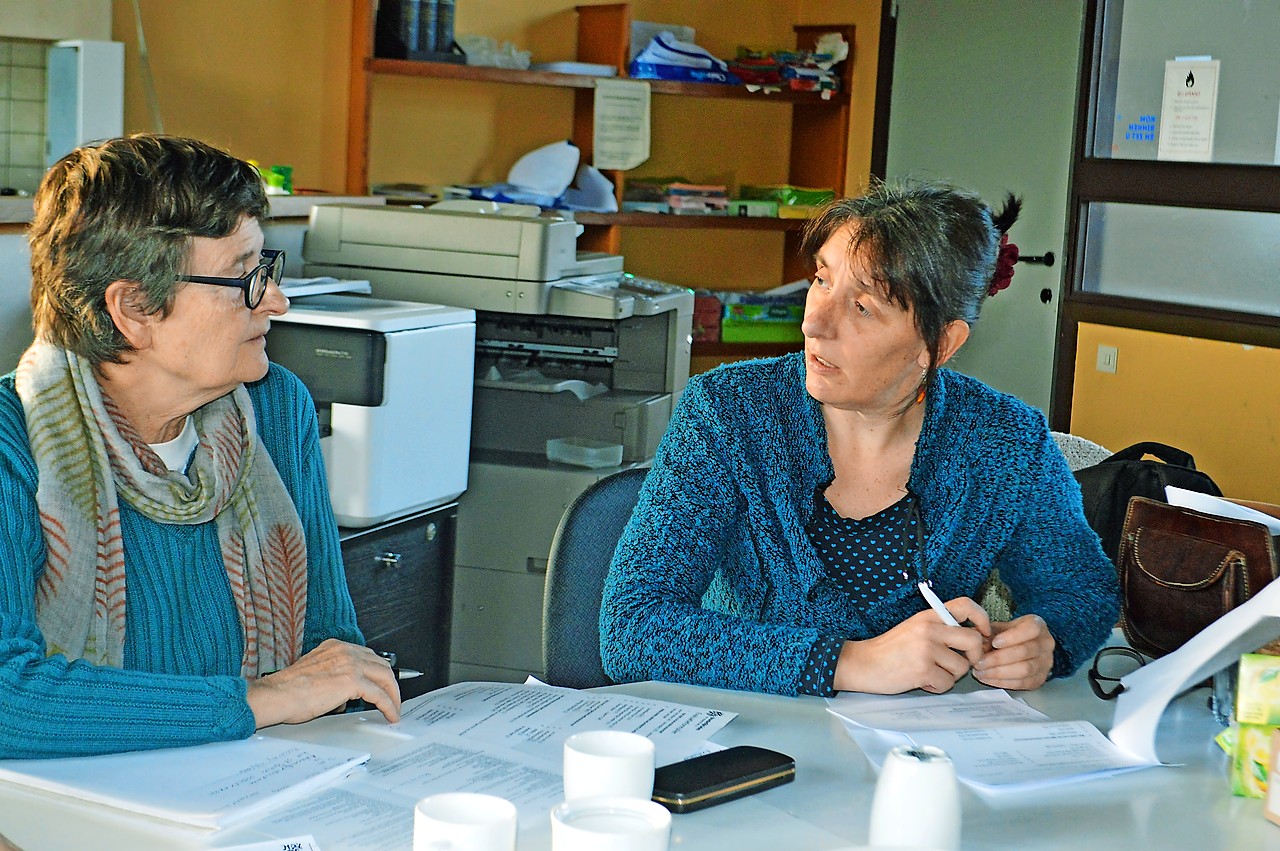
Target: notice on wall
[1189,109]
[620,138]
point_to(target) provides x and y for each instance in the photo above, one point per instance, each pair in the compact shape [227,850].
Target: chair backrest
[1080,452]
[580,555]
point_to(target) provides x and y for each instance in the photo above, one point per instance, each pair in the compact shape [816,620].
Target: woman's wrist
[847,667]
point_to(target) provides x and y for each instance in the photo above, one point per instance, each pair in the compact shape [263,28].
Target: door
[984,96]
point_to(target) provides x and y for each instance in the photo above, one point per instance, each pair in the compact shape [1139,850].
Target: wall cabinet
[400,574]
[817,154]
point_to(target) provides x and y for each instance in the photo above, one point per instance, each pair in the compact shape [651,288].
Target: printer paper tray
[582,389]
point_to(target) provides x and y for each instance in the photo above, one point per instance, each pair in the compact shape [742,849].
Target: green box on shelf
[762,319]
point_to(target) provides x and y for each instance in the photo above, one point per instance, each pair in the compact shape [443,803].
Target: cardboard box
[1251,760]
[750,318]
[1258,716]
[1258,690]
[1271,809]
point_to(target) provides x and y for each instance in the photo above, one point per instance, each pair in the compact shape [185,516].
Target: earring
[924,382]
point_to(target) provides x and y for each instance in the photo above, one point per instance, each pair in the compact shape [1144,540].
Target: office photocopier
[568,345]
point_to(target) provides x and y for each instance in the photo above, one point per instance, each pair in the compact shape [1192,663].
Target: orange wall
[1209,398]
[267,81]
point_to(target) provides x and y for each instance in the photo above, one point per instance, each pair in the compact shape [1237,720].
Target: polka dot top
[865,559]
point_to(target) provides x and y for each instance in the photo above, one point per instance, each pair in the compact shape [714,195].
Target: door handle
[1045,259]
[388,559]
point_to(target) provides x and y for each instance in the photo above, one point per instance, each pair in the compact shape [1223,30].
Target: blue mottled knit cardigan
[715,581]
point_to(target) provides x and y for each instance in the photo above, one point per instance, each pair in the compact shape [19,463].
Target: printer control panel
[651,296]
[616,295]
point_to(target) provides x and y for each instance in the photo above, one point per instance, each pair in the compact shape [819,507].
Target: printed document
[1148,690]
[620,132]
[354,816]
[208,786]
[996,743]
[431,765]
[536,719]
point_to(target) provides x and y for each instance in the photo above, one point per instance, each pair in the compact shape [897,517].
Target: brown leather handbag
[1180,570]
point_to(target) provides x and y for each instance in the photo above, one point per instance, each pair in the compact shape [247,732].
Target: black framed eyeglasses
[254,283]
[1110,666]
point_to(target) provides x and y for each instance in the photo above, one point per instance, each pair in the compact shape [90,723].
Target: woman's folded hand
[1021,655]
[323,680]
[921,652]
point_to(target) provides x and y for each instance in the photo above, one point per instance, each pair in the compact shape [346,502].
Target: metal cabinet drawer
[400,574]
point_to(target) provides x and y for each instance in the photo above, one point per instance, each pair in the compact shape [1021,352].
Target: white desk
[827,807]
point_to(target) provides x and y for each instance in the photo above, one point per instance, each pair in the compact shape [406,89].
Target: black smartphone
[713,778]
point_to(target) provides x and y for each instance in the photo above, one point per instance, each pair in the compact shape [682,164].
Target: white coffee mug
[608,763]
[610,824]
[917,801]
[464,821]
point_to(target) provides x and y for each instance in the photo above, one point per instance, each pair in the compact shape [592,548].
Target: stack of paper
[297,287]
[996,743]
[208,786]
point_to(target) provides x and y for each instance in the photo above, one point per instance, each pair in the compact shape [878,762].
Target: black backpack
[1108,485]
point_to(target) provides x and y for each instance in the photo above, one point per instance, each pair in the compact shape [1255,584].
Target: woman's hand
[1021,655]
[921,652]
[323,680]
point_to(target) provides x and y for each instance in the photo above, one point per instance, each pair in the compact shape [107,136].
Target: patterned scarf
[88,457]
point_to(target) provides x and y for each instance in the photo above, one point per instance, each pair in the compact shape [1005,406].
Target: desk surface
[828,805]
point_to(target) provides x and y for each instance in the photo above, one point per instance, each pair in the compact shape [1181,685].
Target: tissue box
[751,318]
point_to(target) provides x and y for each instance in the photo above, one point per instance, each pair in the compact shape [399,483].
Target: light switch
[1107,356]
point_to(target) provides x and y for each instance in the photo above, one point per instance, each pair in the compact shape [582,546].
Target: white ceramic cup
[610,824]
[464,821]
[917,801]
[608,763]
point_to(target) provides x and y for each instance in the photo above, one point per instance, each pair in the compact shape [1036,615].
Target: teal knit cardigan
[180,684]
[715,581]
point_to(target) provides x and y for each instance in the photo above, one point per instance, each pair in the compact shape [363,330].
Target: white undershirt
[177,452]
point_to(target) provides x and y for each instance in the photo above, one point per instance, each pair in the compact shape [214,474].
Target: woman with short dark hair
[797,503]
[168,541]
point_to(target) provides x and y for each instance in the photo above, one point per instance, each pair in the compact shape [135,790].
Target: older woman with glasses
[802,509]
[170,572]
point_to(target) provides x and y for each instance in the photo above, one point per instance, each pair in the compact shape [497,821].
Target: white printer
[392,382]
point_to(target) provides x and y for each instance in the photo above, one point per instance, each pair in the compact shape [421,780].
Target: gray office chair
[580,555]
[1080,452]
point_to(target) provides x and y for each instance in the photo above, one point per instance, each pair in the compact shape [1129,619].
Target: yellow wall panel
[1209,398]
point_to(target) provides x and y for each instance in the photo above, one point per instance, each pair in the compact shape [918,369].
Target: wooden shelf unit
[473,73]
[818,155]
